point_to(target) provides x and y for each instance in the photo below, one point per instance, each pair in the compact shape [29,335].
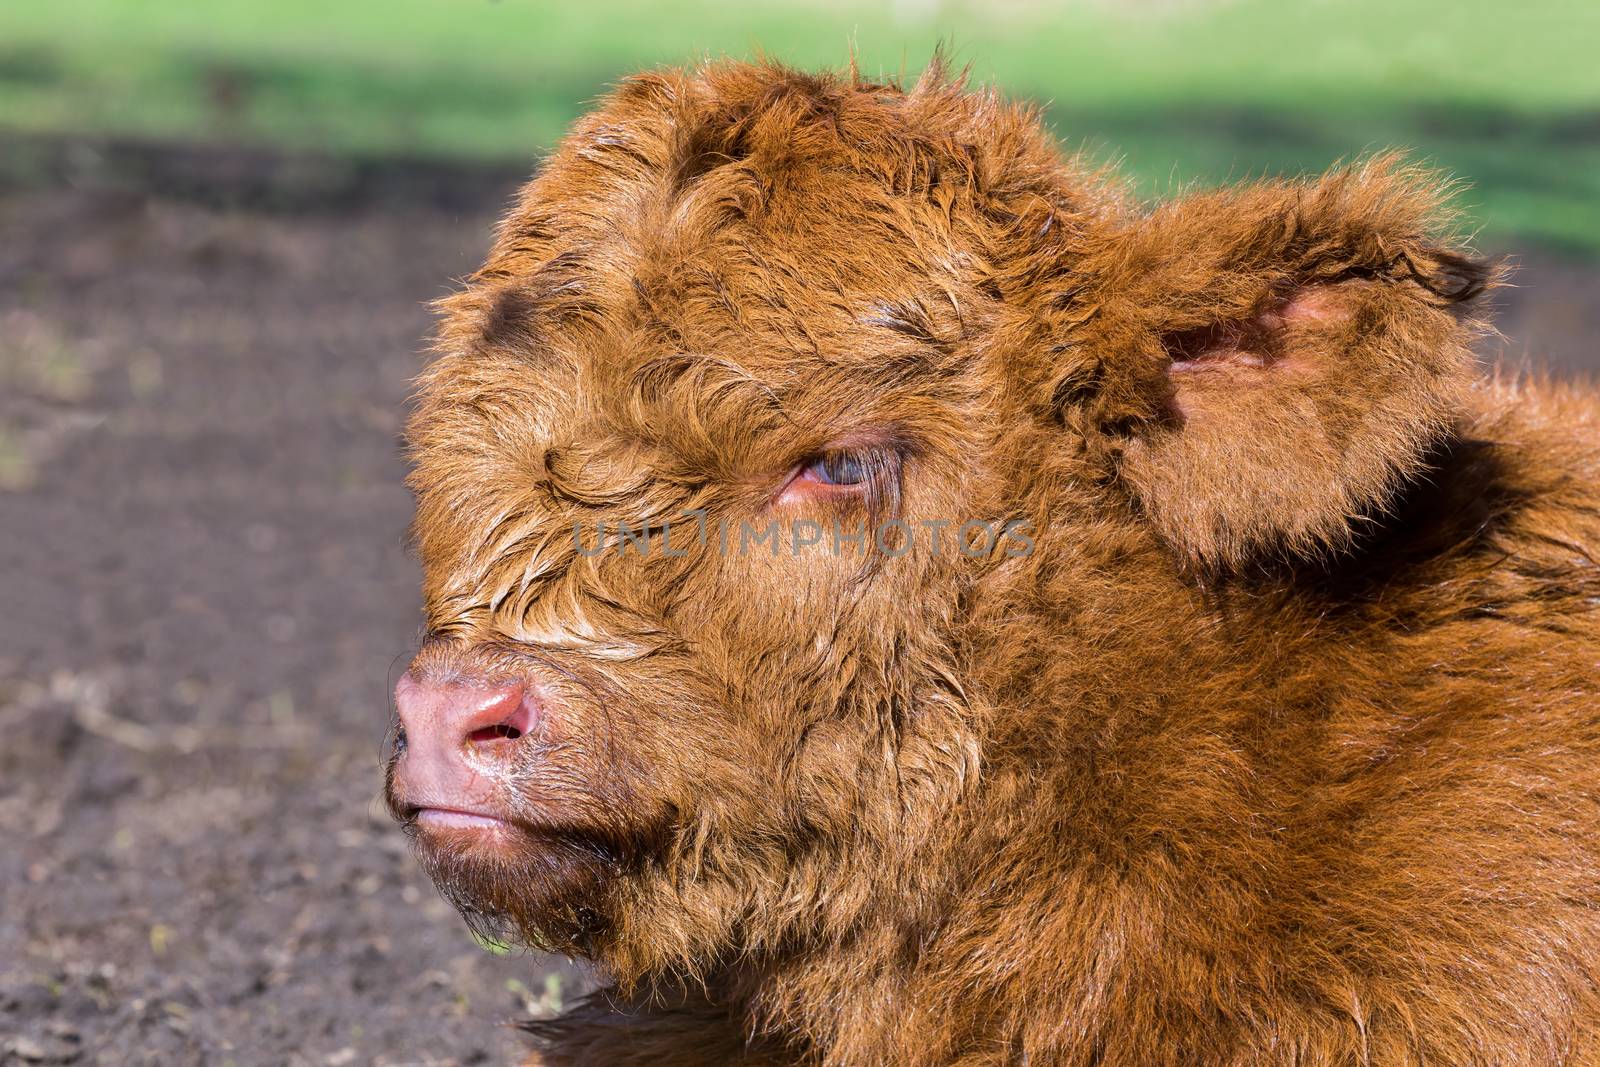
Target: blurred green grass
[1505,96]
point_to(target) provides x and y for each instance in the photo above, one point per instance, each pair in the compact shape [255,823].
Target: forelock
[718,145]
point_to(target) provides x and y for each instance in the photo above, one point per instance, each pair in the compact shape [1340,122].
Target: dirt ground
[205,595]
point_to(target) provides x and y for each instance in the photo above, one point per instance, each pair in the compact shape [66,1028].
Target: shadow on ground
[207,596]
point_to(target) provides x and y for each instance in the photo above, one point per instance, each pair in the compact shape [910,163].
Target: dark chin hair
[550,892]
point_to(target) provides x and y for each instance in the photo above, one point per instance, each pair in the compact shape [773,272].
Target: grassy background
[1506,96]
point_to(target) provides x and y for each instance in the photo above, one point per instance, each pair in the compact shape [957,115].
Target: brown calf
[893,599]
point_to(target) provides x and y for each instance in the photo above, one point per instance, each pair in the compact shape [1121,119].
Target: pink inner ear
[1313,303]
[1254,342]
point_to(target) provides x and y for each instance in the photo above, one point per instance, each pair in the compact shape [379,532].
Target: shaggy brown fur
[1281,746]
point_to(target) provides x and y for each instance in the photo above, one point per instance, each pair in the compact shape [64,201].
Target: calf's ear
[1277,359]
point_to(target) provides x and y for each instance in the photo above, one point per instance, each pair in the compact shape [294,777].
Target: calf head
[784,411]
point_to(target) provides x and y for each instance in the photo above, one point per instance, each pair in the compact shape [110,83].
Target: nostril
[500,731]
[500,715]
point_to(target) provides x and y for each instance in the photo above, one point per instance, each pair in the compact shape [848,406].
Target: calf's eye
[839,468]
[840,474]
